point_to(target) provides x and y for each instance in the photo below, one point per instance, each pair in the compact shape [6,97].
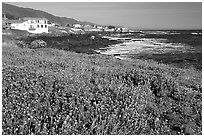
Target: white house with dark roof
[31,24]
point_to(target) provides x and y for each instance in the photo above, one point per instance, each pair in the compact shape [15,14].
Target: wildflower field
[49,92]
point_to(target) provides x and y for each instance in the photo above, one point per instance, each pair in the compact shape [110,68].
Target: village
[38,25]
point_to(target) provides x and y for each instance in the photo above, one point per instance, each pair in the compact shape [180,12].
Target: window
[38,26]
[32,28]
[41,26]
[45,26]
[38,21]
[45,21]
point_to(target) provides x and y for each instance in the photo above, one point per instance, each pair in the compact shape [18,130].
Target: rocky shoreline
[124,46]
[158,49]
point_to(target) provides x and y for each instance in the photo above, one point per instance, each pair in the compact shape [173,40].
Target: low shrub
[38,44]
[56,92]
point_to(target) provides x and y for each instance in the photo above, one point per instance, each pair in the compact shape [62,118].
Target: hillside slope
[14,12]
[49,91]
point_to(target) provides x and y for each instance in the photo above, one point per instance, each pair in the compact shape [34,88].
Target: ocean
[180,48]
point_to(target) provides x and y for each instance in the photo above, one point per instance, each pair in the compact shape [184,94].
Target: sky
[139,15]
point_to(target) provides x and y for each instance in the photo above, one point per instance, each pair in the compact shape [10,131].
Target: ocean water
[181,48]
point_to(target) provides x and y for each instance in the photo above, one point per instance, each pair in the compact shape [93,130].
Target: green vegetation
[50,91]
[73,42]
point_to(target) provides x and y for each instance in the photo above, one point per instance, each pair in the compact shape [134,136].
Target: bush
[33,45]
[22,44]
[38,44]
[55,92]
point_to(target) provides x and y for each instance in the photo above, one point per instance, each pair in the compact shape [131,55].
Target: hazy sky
[155,15]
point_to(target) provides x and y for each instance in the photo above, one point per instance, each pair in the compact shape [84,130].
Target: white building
[88,26]
[95,30]
[30,24]
[124,29]
[109,30]
[118,29]
[99,27]
[77,25]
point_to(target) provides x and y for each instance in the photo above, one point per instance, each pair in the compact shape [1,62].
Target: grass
[49,91]
[74,42]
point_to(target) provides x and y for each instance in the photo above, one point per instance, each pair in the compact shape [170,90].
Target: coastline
[158,49]
[163,48]
[55,81]
[142,45]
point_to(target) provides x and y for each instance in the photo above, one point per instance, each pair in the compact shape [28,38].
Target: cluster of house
[97,28]
[30,24]
[41,25]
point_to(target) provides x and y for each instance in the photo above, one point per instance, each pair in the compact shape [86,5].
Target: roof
[33,18]
[14,21]
[88,27]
